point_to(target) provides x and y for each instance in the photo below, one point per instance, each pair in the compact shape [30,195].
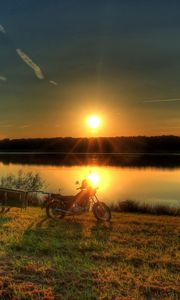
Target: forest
[139,144]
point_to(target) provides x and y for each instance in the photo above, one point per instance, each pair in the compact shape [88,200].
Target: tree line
[138,144]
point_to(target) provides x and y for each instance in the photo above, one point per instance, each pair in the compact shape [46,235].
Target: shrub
[135,207]
[25,181]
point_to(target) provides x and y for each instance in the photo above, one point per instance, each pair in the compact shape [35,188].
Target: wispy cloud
[6,125]
[30,63]
[2,30]
[25,126]
[3,78]
[24,57]
[161,100]
[165,127]
[53,82]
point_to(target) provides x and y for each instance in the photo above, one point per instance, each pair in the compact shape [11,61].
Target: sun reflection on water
[97,176]
[94,179]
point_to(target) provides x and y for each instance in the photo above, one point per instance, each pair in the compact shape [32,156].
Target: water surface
[139,179]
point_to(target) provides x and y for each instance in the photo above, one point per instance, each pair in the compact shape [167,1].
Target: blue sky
[113,58]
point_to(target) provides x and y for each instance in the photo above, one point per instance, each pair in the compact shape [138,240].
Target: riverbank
[133,257]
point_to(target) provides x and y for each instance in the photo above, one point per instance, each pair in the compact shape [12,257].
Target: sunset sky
[62,61]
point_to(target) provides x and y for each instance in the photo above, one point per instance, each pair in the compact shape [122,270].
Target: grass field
[133,257]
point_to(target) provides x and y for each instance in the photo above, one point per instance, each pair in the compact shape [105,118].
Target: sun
[94,121]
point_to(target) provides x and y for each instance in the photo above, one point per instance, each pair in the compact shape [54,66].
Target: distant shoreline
[131,160]
[140,145]
[91,153]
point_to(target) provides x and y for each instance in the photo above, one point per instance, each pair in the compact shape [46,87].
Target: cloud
[25,126]
[2,30]
[53,82]
[3,78]
[30,63]
[6,125]
[162,100]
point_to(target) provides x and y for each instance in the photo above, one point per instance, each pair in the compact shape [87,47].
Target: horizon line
[91,137]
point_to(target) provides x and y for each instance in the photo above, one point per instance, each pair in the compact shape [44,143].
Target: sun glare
[94,121]
[94,179]
[97,176]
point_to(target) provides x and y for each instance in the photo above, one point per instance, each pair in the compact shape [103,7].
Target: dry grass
[133,257]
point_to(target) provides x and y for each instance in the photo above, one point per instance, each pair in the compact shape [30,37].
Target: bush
[24,181]
[129,205]
[135,207]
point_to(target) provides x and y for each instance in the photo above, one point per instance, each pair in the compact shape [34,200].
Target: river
[143,180]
